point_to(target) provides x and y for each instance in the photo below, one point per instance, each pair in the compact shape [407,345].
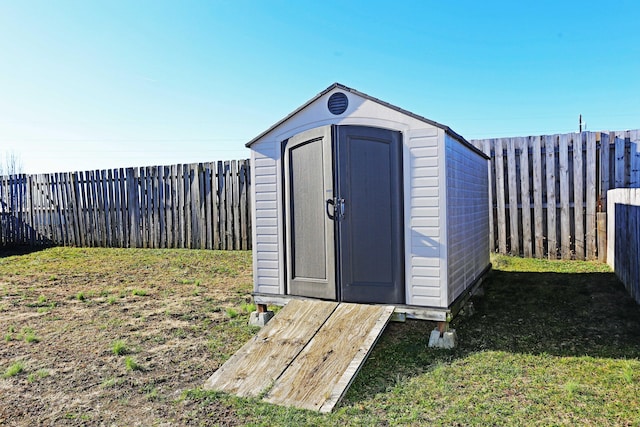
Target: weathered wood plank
[500,197]
[619,163]
[552,245]
[180,213]
[236,204]
[124,208]
[3,212]
[262,360]
[537,197]
[204,225]
[143,210]
[341,387]
[47,207]
[229,204]
[208,205]
[54,206]
[69,209]
[244,213]
[91,208]
[634,168]
[133,206]
[105,207]
[514,239]
[563,172]
[110,214]
[158,191]
[152,208]
[80,218]
[525,195]
[35,199]
[116,222]
[173,218]
[578,198]
[223,204]
[32,206]
[197,210]
[51,210]
[627,158]
[167,205]
[314,378]
[188,178]
[601,224]
[591,248]
[605,170]
[486,149]
[216,205]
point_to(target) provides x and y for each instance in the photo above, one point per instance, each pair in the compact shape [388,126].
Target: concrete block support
[447,339]
[260,318]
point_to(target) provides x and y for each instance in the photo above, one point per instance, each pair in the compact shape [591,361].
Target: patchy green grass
[231,312]
[40,374]
[131,364]
[119,348]
[14,369]
[550,343]
[139,292]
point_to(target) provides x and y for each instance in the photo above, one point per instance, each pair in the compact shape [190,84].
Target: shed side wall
[467,216]
[265,157]
[424,250]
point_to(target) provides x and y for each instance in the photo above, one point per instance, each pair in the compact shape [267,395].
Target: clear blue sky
[101,84]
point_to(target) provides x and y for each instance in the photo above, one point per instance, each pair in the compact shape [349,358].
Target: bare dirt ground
[178,315]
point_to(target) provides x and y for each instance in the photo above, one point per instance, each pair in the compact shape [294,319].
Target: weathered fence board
[563,182]
[591,189]
[523,146]
[500,197]
[486,148]
[578,196]
[550,143]
[537,198]
[204,206]
[514,239]
[565,225]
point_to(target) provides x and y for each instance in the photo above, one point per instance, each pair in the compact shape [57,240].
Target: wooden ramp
[306,356]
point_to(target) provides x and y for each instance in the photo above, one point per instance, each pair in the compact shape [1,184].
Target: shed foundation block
[447,339]
[260,318]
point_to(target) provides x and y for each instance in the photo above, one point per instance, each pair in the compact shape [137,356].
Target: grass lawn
[128,336]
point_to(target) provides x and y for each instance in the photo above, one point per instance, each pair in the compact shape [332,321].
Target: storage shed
[356,200]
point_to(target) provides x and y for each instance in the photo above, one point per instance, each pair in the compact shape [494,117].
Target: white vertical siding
[423,224]
[266,251]
[467,216]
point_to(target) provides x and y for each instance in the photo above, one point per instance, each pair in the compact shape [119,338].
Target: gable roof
[337,85]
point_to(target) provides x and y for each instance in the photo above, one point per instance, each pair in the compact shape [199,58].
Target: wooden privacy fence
[548,191]
[198,206]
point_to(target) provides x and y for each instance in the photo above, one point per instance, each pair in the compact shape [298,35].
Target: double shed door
[343,214]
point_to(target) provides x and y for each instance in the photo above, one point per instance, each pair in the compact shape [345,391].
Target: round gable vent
[338,103]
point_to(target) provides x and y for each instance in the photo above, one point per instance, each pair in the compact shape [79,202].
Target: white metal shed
[357,200]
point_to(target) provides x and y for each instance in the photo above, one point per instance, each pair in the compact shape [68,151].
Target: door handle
[333,208]
[341,208]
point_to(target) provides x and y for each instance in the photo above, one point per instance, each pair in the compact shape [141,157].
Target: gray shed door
[308,180]
[370,229]
[356,232]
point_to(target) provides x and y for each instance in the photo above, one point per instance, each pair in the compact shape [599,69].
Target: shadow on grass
[18,250]
[573,314]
